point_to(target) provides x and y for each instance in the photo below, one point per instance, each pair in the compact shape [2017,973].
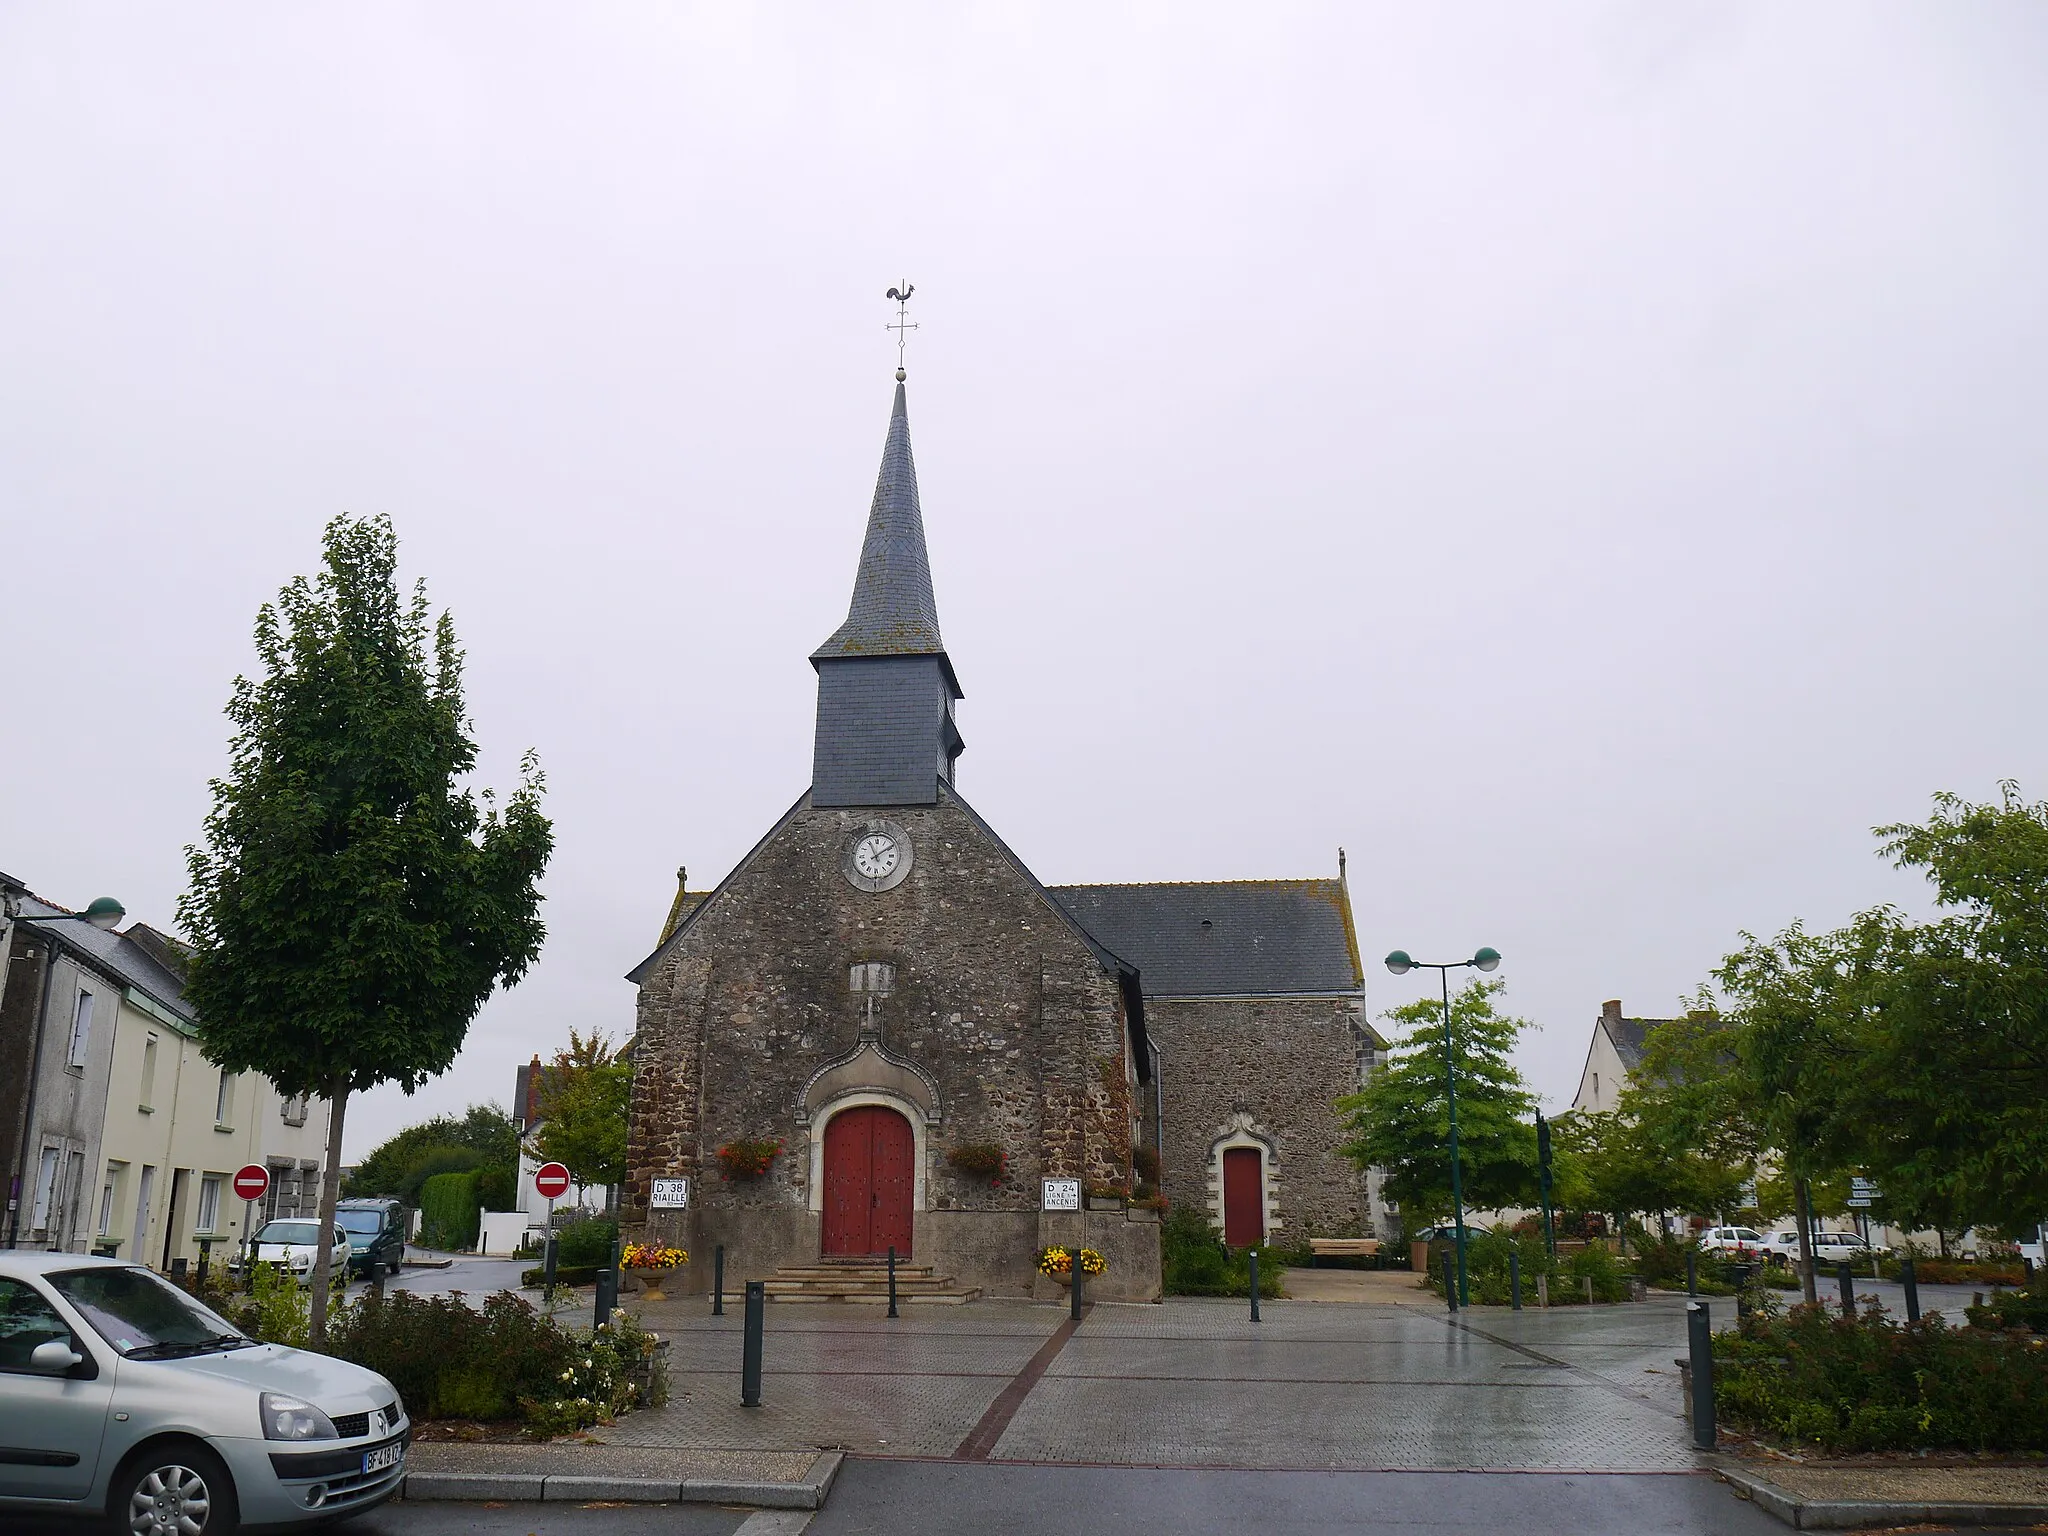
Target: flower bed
[1870,1383]
[1060,1261]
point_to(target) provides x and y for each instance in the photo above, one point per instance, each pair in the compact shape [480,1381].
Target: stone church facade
[882,992]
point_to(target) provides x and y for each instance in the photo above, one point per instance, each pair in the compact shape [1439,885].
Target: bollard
[607,1296]
[1254,1257]
[1741,1293]
[1588,1280]
[1912,1284]
[718,1281]
[1074,1285]
[1692,1272]
[205,1249]
[892,1281]
[2027,1271]
[1515,1279]
[1543,1291]
[1450,1281]
[1700,1339]
[547,1265]
[1847,1278]
[750,1346]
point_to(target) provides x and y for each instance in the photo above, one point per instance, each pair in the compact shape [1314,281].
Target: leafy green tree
[352,908]
[398,1166]
[582,1101]
[1622,1166]
[1400,1121]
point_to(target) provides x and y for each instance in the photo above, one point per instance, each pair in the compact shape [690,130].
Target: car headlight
[292,1418]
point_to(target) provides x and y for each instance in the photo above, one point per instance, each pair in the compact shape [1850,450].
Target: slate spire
[893,613]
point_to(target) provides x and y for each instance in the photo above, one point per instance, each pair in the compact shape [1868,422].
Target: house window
[871,976]
[106,1221]
[209,1203]
[1596,1090]
[148,1072]
[46,1189]
[293,1109]
[224,1097]
[81,1028]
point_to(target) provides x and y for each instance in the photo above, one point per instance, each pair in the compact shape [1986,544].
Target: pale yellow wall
[177,1129]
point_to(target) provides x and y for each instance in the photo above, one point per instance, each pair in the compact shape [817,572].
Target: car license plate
[382,1457]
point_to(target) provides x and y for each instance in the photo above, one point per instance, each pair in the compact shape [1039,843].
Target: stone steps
[868,1284]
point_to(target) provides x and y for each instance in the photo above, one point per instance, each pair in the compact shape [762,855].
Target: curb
[554,1487]
[1853,1514]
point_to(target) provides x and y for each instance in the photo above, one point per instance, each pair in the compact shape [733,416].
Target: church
[881,1031]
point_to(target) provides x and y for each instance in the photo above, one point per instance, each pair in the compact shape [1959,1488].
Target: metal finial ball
[901,375]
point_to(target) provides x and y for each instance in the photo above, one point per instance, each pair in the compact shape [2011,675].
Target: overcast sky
[1586,460]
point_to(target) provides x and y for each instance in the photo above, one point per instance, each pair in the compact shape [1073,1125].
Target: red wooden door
[1244,1197]
[869,1180]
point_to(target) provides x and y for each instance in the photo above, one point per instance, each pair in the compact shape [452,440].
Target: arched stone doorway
[869,1183]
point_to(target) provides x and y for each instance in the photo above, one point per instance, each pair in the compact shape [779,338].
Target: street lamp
[1483,960]
[104,913]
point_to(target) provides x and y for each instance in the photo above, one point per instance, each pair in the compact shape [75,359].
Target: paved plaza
[1366,1387]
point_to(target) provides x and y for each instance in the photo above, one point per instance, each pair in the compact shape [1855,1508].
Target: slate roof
[1259,938]
[119,955]
[893,612]
[1628,1036]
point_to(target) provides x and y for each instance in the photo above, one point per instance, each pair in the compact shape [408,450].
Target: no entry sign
[552,1180]
[252,1182]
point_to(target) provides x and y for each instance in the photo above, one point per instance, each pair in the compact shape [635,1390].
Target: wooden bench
[1321,1248]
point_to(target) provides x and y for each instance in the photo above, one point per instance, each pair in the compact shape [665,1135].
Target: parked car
[376,1230]
[127,1400]
[1738,1242]
[1840,1248]
[294,1242]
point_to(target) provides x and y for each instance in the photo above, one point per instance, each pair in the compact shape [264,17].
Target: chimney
[1610,1011]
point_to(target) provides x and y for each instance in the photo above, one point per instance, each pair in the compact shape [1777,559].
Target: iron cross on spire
[904,324]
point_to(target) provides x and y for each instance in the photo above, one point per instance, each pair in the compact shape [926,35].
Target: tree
[1400,1121]
[581,1102]
[484,1136]
[352,908]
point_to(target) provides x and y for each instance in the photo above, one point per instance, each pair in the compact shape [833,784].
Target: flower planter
[1104,1203]
[651,1282]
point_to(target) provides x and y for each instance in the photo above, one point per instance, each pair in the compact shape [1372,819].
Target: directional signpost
[252,1183]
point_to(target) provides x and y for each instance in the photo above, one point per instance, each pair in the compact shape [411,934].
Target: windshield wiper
[184,1348]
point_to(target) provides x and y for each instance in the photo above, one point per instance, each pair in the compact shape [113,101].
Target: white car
[1739,1241]
[1839,1248]
[125,1399]
[294,1243]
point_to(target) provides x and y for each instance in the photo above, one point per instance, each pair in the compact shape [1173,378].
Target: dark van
[376,1230]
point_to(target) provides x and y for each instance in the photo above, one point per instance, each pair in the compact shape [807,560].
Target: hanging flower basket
[746,1159]
[982,1160]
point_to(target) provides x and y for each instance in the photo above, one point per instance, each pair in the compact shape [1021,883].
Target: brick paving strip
[983,1437]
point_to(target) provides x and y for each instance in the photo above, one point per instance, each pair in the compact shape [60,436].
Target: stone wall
[1268,1069]
[997,1004]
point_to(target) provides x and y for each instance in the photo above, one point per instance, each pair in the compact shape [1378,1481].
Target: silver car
[123,1397]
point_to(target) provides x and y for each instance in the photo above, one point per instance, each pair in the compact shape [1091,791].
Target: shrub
[1145,1162]
[1869,1383]
[570,1275]
[448,1211]
[498,1188]
[2013,1309]
[1195,1261]
[432,1163]
[586,1244]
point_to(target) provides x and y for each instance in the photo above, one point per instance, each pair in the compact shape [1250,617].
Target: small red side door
[1244,1197]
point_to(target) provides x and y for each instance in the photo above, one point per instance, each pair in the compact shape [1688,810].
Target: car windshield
[368,1223]
[303,1234]
[144,1317]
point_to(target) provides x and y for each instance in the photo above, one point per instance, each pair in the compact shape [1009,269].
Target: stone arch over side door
[1243,1134]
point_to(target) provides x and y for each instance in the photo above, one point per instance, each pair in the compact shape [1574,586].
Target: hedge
[449,1207]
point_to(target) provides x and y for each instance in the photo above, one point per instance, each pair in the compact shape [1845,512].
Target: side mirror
[53,1357]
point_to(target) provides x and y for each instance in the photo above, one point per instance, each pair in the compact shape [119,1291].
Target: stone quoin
[881,982]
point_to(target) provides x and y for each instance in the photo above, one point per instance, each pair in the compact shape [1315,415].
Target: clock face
[876,855]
